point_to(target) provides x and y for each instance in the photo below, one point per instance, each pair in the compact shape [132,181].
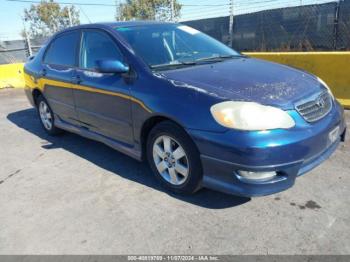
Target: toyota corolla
[200,113]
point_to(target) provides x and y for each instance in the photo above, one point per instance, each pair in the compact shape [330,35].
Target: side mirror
[111,66]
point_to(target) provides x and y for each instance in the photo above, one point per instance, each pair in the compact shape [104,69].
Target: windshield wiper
[176,64]
[218,58]
[180,63]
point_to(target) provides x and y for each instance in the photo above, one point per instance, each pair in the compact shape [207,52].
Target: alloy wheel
[45,115]
[171,160]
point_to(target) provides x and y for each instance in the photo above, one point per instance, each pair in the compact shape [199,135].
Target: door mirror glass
[111,66]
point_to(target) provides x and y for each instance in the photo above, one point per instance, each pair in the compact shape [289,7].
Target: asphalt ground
[70,195]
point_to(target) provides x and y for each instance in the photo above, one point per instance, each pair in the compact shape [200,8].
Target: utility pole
[231,22]
[117,11]
[172,10]
[27,43]
[70,17]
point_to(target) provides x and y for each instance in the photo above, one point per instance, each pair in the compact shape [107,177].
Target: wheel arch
[36,93]
[149,124]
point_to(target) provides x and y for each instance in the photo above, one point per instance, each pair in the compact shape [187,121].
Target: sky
[11,23]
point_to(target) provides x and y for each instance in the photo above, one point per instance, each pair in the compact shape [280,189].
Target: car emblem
[321,102]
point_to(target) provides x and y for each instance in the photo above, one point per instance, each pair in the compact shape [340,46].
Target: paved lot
[74,196]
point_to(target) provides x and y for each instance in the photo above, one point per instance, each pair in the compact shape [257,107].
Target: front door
[102,100]
[56,73]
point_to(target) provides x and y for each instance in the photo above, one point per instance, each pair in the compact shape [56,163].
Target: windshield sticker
[188,29]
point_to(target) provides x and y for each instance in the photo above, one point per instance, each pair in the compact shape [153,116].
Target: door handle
[76,79]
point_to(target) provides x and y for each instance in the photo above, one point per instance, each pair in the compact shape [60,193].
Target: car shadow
[117,163]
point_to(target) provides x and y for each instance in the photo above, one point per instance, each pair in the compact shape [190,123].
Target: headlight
[250,116]
[326,86]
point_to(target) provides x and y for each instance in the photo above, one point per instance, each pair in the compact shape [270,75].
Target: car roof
[120,24]
[134,23]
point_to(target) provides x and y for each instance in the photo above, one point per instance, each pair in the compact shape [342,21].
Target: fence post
[28,46]
[336,23]
[231,23]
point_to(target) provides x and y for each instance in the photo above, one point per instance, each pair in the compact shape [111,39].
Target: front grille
[316,107]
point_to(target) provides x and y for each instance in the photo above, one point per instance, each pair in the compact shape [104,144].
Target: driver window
[97,46]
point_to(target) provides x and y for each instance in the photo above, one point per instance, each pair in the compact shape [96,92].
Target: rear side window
[96,46]
[63,50]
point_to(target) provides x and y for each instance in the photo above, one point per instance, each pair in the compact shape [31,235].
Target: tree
[147,10]
[49,17]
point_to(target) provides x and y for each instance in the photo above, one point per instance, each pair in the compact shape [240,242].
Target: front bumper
[290,153]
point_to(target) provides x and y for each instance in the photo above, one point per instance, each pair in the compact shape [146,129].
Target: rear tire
[46,117]
[174,158]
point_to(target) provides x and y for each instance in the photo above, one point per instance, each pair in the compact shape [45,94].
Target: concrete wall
[11,75]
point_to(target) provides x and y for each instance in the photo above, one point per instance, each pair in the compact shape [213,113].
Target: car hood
[247,79]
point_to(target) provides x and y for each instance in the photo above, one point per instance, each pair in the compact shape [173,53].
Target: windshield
[161,46]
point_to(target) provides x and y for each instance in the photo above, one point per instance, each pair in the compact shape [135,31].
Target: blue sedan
[200,113]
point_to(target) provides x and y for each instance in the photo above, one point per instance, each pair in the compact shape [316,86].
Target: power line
[62,3]
[206,5]
[101,4]
[86,16]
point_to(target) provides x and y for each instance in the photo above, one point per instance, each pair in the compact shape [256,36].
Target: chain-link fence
[321,27]
[12,52]
[17,51]
[343,26]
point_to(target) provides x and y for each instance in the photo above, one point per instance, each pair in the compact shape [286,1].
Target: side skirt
[85,132]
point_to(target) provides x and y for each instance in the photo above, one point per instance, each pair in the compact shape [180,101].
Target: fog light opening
[256,176]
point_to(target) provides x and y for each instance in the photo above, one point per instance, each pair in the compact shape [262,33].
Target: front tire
[174,158]
[47,117]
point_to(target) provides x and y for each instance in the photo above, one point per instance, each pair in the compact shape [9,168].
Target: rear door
[58,66]
[102,100]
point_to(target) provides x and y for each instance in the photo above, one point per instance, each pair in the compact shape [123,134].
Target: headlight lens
[250,116]
[326,86]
